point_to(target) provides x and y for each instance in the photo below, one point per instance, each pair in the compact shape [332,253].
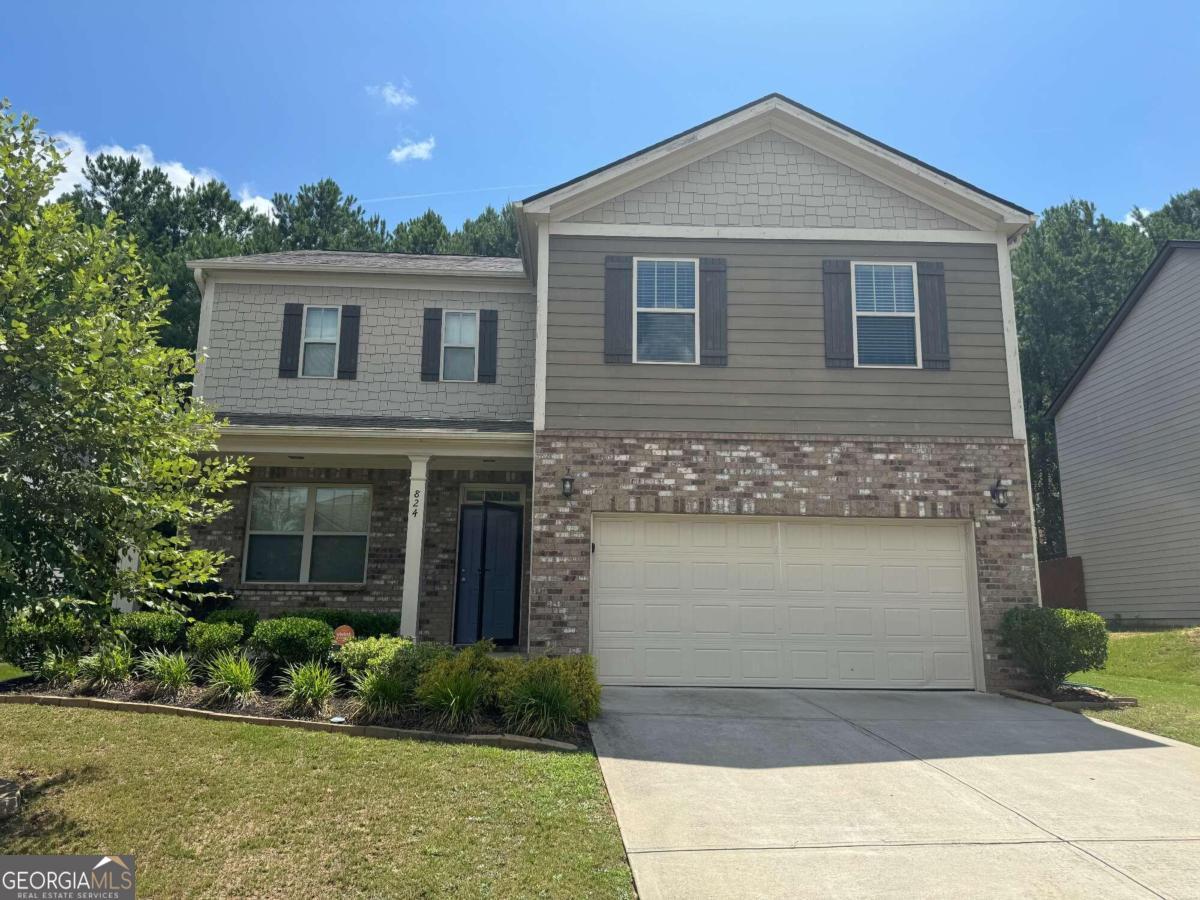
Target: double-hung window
[460,346]
[307,533]
[318,350]
[666,326]
[887,321]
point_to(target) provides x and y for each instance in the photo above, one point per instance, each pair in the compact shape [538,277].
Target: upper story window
[460,346]
[307,533]
[318,349]
[666,326]
[887,320]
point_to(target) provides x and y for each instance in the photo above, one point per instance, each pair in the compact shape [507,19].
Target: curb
[1072,705]
[506,741]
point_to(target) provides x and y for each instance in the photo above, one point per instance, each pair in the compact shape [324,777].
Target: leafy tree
[102,458]
[1179,219]
[319,217]
[426,233]
[1070,273]
[491,234]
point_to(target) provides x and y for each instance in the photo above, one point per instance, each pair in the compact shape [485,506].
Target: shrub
[379,695]
[414,661]
[57,667]
[1050,644]
[308,687]
[207,639]
[169,673]
[365,624]
[108,667]
[359,656]
[151,630]
[232,679]
[247,618]
[455,689]
[292,639]
[547,695]
[26,639]
[580,672]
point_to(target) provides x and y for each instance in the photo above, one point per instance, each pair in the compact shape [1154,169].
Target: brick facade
[769,475]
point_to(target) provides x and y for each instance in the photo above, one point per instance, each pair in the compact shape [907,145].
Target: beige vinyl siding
[776,381]
[1129,457]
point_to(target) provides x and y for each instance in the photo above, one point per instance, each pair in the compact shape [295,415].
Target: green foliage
[232,679]
[1050,644]
[150,630]
[454,691]
[308,687]
[28,636]
[365,624]
[291,639]
[247,618]
[207,639]
[169,673]
[57,668]
[1178,219]
[547,695]
[360,656]
[379,695]
[102,457]
[108,667]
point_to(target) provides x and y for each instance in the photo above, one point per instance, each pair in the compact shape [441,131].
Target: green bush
[57,668]
[292,639]
[247,618]
[456,689]
[151,630]
[307,688]
[108,667]
[379,695]
[207,639]
[359,656]
[547,695]
[170,674]
[232,679]
[1050,644]
[365,624]
[580,672]
[26,639]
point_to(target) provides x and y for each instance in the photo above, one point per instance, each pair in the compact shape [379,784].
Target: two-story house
[747,412]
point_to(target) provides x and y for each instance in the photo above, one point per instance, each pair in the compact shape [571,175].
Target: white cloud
[256,202]
[77,151]
[407,150]
[400,97]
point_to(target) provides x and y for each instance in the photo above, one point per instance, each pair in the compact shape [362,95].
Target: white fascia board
[1012,353]
[751,232]
[504,284]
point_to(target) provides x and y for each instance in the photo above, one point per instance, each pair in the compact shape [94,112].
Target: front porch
[387,520]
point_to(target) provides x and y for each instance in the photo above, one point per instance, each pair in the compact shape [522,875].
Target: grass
[7,672]
[223,809]
[1161,669]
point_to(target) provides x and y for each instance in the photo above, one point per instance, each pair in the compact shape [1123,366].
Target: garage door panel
[708,599]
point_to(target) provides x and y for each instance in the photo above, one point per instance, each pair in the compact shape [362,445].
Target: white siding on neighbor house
[1129,455]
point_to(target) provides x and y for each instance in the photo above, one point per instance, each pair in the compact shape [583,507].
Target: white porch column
[413,544]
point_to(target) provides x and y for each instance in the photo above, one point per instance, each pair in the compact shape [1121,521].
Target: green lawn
[218,809]
[1161,669]
[7,671]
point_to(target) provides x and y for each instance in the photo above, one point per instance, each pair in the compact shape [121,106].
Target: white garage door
[711,600]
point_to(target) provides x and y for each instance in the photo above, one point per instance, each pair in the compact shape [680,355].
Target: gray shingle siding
[242,371]
[770,181]
[1129,457]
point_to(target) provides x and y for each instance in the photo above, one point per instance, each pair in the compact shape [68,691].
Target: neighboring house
[735,418]
[1128,425]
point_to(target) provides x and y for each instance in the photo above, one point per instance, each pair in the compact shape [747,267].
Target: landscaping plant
[108,667]
[308,687]
[541,702]
[455,689]
[360,656]
[365,624]
[57,668]
[231,679]
[247,618]
[379,696]
[207,639]
[1050,644]
[27,637]
[291,639]
[170,674]
[150,630]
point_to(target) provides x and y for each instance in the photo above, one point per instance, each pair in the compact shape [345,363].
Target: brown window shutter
[431,346]
[839,324]
[714,313]
[618,309]
[347,367]
[289,346]
[489,327]
[935,333]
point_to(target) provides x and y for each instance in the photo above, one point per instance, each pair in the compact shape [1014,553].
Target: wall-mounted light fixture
[999,493]
[568,484]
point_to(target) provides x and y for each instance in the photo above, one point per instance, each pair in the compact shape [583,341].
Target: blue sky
[1036,102]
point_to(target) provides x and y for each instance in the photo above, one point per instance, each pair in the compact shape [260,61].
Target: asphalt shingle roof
[381,262]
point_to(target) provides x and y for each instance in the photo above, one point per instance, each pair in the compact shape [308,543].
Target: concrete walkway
[789,793]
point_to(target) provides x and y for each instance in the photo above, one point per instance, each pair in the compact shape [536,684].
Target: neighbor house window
[318,351]
[887,325]
[460,345]
[307,533]
[665,323]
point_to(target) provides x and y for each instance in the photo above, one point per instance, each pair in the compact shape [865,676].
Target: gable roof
[1122,313]
[795,120]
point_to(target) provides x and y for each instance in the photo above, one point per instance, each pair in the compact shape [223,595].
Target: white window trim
[442,351]
[337,339]
[462,492]
[694,311]
[310,517]
[915,314]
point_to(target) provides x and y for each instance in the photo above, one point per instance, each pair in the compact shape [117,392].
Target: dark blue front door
[489,574]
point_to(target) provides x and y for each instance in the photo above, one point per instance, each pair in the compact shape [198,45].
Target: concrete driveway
[787,793]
